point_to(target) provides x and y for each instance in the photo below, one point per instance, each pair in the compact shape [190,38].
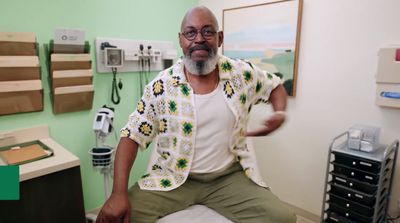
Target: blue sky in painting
[271,34]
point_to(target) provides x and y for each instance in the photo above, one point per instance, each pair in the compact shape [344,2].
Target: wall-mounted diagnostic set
[126,55]
[133,55]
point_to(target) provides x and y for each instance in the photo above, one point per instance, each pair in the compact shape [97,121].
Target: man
[196,113]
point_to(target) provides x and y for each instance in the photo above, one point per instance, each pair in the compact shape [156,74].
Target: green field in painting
[284,62]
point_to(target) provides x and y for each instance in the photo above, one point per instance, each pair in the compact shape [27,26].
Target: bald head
[196,13]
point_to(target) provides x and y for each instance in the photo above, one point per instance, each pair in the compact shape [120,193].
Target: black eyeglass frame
[202,31]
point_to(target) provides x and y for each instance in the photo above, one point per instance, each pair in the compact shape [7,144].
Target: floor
[301,219]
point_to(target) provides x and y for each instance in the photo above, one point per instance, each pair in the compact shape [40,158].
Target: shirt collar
[225,68]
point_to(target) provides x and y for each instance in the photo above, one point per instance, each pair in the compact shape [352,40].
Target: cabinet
[55,197]
[357,183]
[50,188]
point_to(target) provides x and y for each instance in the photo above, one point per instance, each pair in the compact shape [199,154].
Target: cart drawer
[332,217]
[349,214]
[355,174]
[357,162]
[351,206]
[354,184]
[363,199]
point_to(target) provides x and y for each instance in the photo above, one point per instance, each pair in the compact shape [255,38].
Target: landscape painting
[266,35]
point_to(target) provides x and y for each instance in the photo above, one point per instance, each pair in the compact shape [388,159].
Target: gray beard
[200,67]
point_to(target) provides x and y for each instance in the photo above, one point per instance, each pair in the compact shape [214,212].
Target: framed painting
[267,35]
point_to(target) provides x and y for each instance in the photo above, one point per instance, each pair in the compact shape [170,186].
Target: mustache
[200,47]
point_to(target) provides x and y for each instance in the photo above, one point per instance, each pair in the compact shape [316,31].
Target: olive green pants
[230,193]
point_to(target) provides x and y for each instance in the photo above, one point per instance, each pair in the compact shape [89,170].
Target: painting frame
[278,50]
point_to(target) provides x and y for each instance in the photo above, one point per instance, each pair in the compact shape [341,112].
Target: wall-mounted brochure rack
[20,74]
[70,78]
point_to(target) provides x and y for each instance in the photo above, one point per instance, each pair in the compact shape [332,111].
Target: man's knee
[142,210]
[148,206]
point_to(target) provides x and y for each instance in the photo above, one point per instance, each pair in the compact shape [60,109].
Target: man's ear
[220,38]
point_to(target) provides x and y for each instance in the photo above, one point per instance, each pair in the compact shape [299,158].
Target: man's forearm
[124,158]
[278,98]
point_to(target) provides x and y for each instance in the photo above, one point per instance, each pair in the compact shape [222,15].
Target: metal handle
[336,138]
[390,148]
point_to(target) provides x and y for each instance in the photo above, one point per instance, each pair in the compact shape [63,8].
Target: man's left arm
[278,100]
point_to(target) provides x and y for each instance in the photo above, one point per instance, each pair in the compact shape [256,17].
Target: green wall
[133,19]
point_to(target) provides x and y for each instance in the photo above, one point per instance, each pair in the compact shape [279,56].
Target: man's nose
[199,38]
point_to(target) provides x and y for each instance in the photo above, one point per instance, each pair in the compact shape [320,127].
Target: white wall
[335,89]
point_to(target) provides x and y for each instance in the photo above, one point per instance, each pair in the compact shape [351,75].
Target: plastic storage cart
[357,183]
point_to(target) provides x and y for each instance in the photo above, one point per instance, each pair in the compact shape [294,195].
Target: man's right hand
[117,209]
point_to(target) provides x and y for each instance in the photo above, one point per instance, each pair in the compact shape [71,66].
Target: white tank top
[215,123]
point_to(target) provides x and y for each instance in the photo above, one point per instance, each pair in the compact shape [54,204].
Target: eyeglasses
[207,33]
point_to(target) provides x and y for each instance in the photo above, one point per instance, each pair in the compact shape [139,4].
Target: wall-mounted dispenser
[388,77]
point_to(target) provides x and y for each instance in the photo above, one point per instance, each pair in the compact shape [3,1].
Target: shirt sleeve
[265,83]
[141,126]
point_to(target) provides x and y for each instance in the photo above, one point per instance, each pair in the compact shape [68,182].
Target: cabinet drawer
[363,199]
[351,206]
[355,174]
[354,184]
[358,163]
